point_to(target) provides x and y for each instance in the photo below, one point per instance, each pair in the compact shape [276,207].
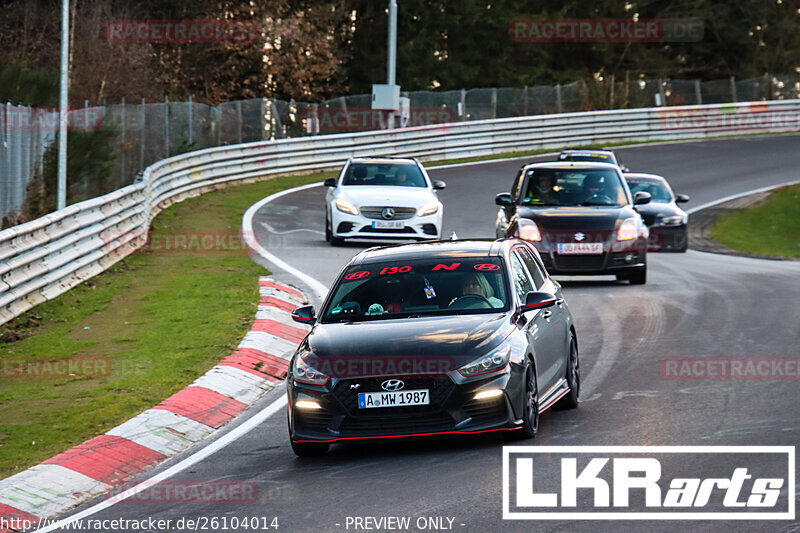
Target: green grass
[158,319]
[770,228]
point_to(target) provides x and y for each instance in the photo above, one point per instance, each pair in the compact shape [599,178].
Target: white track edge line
[249,237]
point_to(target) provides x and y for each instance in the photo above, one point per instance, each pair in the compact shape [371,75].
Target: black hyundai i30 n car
[580,216]
[437,338]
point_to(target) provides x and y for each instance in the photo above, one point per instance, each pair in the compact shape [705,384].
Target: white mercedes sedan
[386,198]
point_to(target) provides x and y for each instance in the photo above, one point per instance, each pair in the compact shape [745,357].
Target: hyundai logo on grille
[579,236]
[392,385]
[388,213]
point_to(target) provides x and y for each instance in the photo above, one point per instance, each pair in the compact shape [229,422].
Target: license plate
[403,398]
[388,224]
[582,248]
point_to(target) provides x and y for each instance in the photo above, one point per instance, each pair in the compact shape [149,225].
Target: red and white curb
[94,467]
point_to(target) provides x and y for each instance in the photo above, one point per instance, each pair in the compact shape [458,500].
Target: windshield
[658,191]
[397,175]
[596,158]
[568,187]
[405,289]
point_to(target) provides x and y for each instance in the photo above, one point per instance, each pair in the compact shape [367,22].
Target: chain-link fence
[110,145]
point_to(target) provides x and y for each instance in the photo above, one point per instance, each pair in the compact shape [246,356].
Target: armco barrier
[46,257]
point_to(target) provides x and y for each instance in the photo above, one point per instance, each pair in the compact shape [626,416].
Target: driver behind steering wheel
[476,284]
[594,186]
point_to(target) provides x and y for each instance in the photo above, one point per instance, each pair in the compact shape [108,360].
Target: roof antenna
[453,236]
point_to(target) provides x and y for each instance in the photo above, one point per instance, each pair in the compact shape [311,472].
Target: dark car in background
[667,222]
[440,338]
[580,217]
[592,155]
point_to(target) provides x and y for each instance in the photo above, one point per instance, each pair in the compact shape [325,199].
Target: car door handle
[547,314]
[560,302]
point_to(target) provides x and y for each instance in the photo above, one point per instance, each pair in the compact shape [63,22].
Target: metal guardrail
[46,257]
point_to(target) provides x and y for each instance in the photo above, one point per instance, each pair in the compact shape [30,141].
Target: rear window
[397,175]
[596,158]
[402,289]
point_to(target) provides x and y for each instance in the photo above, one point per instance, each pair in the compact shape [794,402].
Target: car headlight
[670,220]
[527,230]
[346,207]
[428,209]
[628,230]
[495,360]
[304,372]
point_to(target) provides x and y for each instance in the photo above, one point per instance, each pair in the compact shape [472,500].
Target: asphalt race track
[694,304]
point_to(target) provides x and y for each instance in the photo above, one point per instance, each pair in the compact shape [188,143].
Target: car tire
[572,399]
[309,449]
[329,237]
[328,233]
[638,276]
[530,409]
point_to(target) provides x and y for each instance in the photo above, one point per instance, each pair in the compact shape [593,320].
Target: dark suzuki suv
[581,217]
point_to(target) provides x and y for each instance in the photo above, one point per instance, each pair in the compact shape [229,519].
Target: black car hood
[577,218]
[650,211]
[451,341]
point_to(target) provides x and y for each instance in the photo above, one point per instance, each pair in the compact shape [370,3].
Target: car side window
[522,283]
[533,266]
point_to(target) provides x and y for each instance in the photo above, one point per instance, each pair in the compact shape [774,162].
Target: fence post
[558,98]
[525,101]
[122,142]
[190,121]
[734,96]
[494,102]
[166,124]
[698,93]
[767,87]
[661,92]
[141,157]
[218,121]
[239,118]
[86,114]
[463,105]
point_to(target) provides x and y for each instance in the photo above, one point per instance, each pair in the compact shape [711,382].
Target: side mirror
[330,182]
[681,198]
[538,300]
[304,315]
[641,198]
[503,199]
[439,185]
